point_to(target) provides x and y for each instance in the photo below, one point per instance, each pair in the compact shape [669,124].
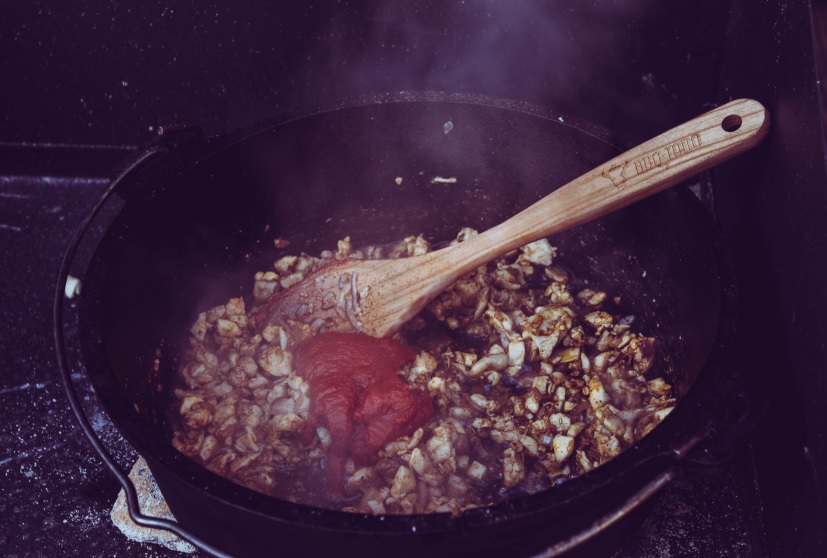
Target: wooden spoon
[377,297]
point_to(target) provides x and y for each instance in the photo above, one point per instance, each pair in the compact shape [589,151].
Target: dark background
[82,82]
[110,72]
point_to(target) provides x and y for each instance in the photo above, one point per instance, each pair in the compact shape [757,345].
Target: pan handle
[139,159]
[605,522]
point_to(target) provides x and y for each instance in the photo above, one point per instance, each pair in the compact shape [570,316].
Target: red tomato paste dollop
[356,394]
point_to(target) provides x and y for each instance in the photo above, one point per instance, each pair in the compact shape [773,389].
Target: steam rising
[567,56]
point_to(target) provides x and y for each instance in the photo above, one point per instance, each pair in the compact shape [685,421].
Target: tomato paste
[357,395]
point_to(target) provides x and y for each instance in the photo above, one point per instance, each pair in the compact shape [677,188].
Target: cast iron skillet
[199,217]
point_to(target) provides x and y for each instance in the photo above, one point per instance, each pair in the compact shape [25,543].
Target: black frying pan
[198,220]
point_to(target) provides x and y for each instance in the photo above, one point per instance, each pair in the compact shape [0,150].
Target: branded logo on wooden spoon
[619,174]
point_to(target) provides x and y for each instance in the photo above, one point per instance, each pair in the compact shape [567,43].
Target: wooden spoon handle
[644,170]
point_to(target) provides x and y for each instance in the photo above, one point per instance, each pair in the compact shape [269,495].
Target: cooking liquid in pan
[533,375]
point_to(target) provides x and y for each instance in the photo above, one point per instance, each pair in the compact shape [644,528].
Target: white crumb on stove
[152,503]
[73,286]
[443,180]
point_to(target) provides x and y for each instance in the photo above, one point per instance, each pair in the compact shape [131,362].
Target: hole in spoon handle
[731,123]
